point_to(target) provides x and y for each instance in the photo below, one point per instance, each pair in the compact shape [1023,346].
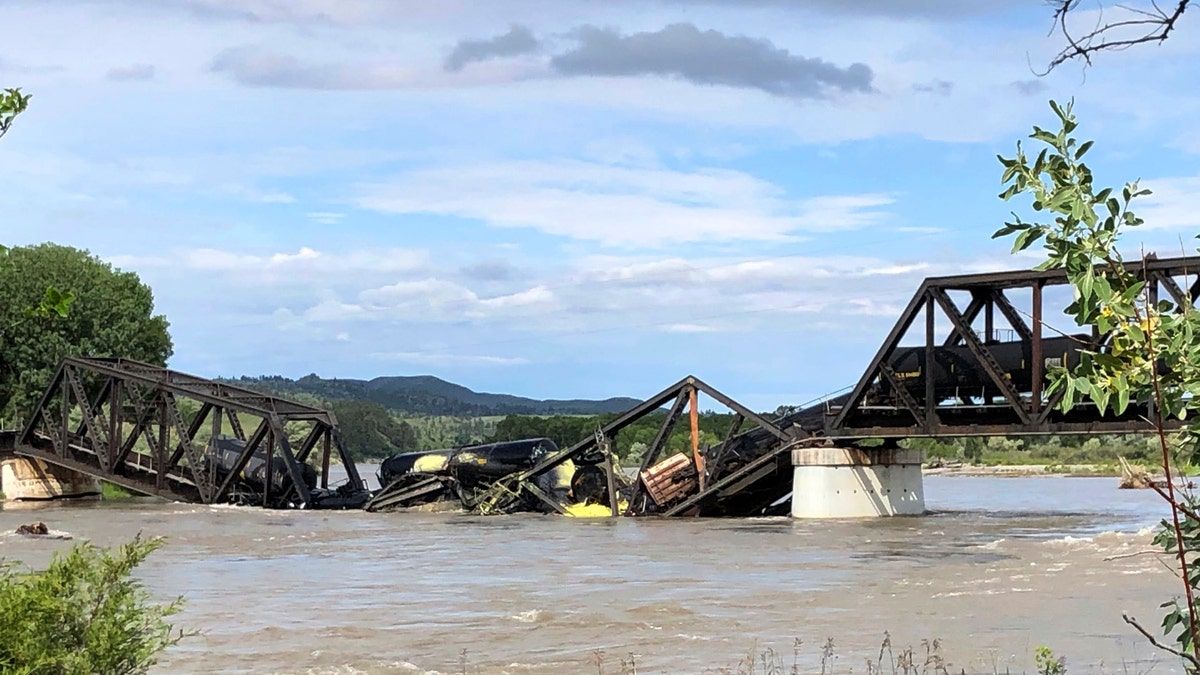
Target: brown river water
[998,567]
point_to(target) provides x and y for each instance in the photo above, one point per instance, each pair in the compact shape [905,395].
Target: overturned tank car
[248,488]
[460,477]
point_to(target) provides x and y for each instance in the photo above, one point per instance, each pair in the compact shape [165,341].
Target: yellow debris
[430,464]
[593,510]
[560,476]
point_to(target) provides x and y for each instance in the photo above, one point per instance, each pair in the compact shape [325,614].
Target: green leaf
[1083,149]
[1026,239]
[1042,135]
[1122,398]
[1082,385]
[1170,620]
[1057,110]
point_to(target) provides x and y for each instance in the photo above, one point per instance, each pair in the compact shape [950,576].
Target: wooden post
[694,415]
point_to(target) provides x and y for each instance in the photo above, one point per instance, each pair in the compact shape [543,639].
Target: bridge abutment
[856,483]
[23,478]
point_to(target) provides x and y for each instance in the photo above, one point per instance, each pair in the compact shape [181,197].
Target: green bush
[83,614]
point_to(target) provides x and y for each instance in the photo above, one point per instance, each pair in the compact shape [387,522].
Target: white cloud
[620,205]
[688,328]
[666,295]
[354,262]
[1174,204]
[213,259]
[438,359]
[325,217]
[433,300]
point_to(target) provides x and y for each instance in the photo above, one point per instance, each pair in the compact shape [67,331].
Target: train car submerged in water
[223,453]
[465,473]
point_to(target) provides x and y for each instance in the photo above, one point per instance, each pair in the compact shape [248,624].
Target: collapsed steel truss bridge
[121,420]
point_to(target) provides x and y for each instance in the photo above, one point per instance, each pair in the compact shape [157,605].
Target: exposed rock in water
[41,531]
[33,529]
[1133,477]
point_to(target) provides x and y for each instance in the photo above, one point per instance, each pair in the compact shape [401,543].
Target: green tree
[112,316]
[1152,350]
[12,103]
[84,614]
[370,432]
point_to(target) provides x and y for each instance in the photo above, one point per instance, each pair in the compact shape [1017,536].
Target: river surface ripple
[998,567]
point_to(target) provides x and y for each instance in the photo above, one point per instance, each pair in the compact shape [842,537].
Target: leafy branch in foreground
[1148,352]
[84,614]
[12,103]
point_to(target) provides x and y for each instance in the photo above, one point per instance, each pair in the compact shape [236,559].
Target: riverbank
[1023,470]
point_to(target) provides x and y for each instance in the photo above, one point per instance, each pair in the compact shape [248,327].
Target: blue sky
[558,199]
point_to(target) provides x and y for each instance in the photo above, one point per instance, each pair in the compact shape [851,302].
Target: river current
[998,567]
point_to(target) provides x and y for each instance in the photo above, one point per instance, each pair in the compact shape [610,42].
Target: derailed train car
[223,454]
[461,476]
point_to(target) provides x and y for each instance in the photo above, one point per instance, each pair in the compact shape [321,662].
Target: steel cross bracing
[931,399]
[122,421]
[745,473]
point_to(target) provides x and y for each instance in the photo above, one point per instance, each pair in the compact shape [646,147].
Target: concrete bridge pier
[22,478]
[856,483]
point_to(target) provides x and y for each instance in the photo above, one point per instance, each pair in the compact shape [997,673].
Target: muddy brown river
[999,567]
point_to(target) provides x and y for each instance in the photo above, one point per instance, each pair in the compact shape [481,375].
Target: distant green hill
[428,395]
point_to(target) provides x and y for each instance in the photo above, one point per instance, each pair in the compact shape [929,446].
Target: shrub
[84,614]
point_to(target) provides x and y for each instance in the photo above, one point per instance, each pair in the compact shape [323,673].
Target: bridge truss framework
[121,420]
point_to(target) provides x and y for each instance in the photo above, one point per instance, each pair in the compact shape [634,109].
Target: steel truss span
[975,366]
[988,380]
[160,432]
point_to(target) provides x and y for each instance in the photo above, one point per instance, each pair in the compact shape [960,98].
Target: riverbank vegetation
[85,613]
[927,658]
[113,491]
[1099,451]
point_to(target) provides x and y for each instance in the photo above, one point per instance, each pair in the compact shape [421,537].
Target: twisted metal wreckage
[121,420]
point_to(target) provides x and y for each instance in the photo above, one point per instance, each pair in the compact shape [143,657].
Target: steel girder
[121,420]
[1017,412]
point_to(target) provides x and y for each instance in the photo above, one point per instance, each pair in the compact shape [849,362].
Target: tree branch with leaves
[12,103]
[1149,351]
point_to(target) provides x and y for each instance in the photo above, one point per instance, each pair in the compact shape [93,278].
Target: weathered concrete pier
[856,483]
